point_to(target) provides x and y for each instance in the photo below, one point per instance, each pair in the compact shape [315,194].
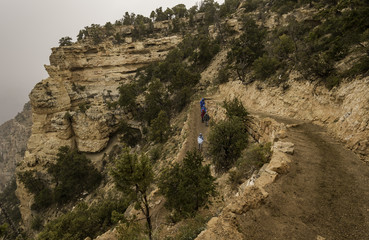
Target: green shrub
[206,50]
[155,154]
[83,221]
[250,5]
[118,38]
[109,29]
[187,186]
[319,65]
[131,230]
[235,108]
[3,229]
[96,32]
[332,81]
[130,136]
[77,88]
[156,100]
[247,48]
[210,8]
[285,46]
[192,227]
[182,98]
[73,174]
[65,41]
[36,223]
[84,106]
[361,67]
[264,67]
[9,206]
[43,199]
[250,161]
[283,6]
[160,128]
[32,183]
[227,139]
[37,186]
[223,75]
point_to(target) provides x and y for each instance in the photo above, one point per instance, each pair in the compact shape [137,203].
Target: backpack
[206,117]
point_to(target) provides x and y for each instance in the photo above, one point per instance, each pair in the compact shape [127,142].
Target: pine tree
[133,176]
[160,128]
[227,139]
[187,186]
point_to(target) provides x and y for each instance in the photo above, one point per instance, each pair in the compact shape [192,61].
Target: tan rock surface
[344,110]
[14,135]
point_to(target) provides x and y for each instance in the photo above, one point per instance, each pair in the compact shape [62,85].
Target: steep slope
[14,136]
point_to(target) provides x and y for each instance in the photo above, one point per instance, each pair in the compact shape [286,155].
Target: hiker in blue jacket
[202,103]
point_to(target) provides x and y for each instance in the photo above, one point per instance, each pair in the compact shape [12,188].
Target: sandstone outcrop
[71,107]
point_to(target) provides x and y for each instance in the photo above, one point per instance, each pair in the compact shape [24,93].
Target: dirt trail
[195,127]
[325,194]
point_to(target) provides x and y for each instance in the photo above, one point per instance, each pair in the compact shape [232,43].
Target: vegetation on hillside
[10,216]
[310,46]
[161,90]
[314,46]
[84,221]
[187,186]
[229,137]
[177,19]
[133,176]
[72,174]
[250,160]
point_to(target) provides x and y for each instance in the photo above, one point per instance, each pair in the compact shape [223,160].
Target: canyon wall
[14,135]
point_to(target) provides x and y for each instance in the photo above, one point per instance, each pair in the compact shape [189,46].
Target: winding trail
[325,194]
[195,128]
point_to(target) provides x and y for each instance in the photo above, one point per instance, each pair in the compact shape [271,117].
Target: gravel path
[325,194]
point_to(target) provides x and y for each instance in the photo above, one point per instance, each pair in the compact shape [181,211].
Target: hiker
[203,111]
[202,103]
[206,118]
[200,140]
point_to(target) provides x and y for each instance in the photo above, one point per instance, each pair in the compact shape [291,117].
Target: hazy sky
[30,28]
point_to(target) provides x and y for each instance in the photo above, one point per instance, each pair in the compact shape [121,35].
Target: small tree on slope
[133,176]
[187,186]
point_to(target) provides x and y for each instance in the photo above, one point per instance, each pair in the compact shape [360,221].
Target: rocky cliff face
[14,135]
[71,106]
